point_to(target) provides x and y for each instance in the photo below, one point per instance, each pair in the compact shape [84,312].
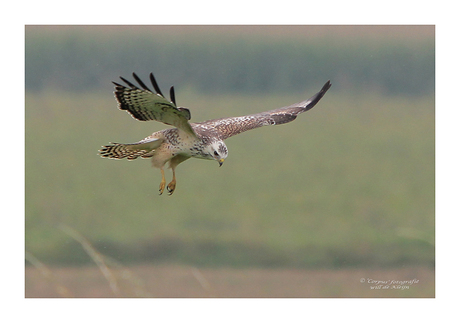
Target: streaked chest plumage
[179,142]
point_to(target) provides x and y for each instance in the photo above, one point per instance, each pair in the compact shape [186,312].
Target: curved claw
[171,187]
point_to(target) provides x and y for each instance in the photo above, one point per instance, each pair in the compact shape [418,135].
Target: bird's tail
[144,149]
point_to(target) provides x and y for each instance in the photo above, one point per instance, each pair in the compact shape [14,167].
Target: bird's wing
[143,104]
[227,127]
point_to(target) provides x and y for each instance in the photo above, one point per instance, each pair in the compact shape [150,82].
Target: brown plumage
[200,140]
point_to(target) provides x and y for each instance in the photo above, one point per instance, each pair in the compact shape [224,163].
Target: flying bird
[203,140]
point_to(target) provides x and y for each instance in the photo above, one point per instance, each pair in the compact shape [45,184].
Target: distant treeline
[81,63]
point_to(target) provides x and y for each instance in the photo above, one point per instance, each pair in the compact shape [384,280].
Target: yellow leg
[172,185]
[163,181]
[173,164]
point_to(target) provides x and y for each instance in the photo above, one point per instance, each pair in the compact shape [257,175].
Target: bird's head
[217,150]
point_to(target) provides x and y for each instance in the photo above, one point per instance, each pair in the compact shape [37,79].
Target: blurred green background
[348,184]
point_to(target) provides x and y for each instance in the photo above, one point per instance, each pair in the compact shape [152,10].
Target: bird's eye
[216,153]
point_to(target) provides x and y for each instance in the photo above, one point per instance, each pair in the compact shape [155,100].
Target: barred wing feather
[144,105]
[227,127]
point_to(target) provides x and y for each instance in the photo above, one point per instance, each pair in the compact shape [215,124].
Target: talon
[171,187]
[162,187]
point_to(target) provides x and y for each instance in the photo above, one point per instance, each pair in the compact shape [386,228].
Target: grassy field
[348,184]
[190,281]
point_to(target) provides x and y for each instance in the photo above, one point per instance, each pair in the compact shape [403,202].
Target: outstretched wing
[227,127]
[143,104]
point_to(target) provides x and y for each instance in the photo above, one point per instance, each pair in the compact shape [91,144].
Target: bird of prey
[200,140]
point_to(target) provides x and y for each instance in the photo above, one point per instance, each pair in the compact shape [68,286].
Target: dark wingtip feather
[138,80]
[326,86]
[128,82]
[155,85]
[172,95]
[318,96]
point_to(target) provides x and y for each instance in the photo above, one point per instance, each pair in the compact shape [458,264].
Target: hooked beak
[221,161]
